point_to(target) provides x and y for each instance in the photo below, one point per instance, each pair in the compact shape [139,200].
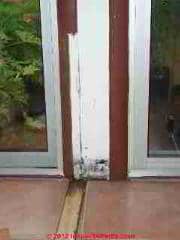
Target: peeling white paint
[89,64]
[93,32]
[75,89]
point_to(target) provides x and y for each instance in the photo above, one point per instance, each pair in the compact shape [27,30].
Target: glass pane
[164,101]
[22,95]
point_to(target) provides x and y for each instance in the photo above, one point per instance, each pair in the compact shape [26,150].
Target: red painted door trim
[67,21]
[119,10]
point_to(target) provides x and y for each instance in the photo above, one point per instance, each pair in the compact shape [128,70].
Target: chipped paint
[91,169]
[89,67]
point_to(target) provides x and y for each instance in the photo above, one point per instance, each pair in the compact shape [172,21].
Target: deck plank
[30,208]
[151,210]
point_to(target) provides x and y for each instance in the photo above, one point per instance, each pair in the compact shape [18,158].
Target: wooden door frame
[119,18]
[67,22]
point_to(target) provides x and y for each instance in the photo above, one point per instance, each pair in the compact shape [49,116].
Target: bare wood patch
[81,217]
[72,207]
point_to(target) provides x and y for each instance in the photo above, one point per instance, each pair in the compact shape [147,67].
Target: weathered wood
[4,234]
[81,215]
[72,207]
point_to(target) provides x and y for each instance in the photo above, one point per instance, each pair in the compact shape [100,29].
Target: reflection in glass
[164,106]
[22,95]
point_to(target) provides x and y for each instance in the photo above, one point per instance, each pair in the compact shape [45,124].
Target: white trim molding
[89,66]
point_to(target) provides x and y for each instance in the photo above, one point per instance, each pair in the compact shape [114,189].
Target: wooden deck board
[30,208]
[151,210]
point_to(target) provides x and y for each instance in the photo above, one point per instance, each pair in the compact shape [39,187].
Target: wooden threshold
[70,218]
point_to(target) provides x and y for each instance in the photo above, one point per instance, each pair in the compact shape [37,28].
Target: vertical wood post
[67,22]
[118,88]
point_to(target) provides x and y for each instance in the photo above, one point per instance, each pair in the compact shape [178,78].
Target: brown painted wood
[67,18]
[133,207]
[68,11]
[118,88]
[35,209]
[4,234]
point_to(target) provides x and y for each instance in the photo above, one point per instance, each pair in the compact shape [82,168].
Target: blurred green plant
[20,52]
[165,29]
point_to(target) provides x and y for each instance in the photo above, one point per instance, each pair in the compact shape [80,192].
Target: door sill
[142,173]
[47,172]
